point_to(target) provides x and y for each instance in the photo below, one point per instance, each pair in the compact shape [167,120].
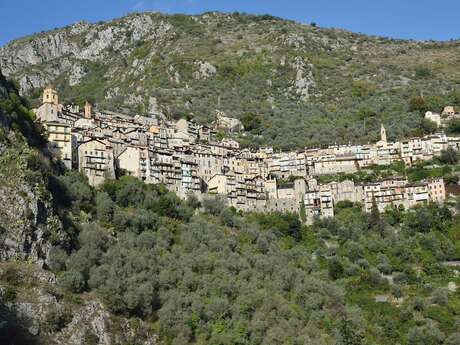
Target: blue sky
[417,19]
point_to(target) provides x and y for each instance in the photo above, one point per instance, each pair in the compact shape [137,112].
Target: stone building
[96,161]
[227,123]
[135,161]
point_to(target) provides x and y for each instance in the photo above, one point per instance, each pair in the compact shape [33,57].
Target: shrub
[9,294]
[419,304]
[440,296]
[57,319]
[57,259]
[214,205]
[428,334]
[453,339]
[72,281]
[335,269]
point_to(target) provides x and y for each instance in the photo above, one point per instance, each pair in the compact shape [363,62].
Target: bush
[9,294]
[335,269]
[453,339]
[72,281]
[57,259]
[428,334]
[419,304]
[57,319]
[440,296]
[214,205]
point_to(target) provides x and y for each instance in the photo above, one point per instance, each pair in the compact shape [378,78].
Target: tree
[428,334]
[214,205]
[453,127]
[57,259]
[375,221]
[336,269]
[104,206]
[227,217]
[251,122]
[449,156]
[303,214]
[417,103]
[428,126]
[349,334]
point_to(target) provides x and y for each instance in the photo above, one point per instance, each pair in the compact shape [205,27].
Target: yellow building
[60,141]
[50,95]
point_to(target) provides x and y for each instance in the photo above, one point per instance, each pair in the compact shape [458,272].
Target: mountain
[292,84]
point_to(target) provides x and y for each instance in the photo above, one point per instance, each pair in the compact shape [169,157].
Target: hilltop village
[185,157]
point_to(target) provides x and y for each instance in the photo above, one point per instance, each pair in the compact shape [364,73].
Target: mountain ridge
[299,85]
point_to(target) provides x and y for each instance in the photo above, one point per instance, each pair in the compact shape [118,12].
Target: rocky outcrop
[28,223]
[205,70]
[44,315]
[27,220]
[304,82]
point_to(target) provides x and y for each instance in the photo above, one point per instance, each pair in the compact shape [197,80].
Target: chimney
[88,110]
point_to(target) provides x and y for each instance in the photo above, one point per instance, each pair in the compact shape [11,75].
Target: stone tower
[383,133]
[88,110]
[50,95]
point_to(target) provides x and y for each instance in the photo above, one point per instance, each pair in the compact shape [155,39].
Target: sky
[410,19]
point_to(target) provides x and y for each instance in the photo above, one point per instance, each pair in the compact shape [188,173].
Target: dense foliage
[219,277]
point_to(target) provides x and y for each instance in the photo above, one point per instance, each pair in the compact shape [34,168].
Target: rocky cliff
[303,84]
[34,309]
[29,223]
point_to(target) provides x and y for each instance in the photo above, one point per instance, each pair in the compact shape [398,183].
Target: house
[227,123]
[346,190]
[96,161]
[60,141]
[433,117]
[135,161]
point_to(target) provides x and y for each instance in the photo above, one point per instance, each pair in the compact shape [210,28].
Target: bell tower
[50,95]
[88,110]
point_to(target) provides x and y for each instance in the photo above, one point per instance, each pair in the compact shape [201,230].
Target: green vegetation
[218,276]
[355,82]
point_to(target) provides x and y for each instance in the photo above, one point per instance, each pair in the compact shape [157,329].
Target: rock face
[68,50]
[304,82]
[27,218]
[46,317]
[205,70]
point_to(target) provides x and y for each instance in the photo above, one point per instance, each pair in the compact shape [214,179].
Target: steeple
[88,110]
[50,95]
[383,133]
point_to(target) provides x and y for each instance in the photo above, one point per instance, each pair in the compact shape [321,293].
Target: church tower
[88,110]
[383,133]
[50,95]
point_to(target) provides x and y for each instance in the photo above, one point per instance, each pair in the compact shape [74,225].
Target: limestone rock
[205,70]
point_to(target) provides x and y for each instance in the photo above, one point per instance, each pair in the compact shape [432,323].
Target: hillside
[292,84]
[131,263]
